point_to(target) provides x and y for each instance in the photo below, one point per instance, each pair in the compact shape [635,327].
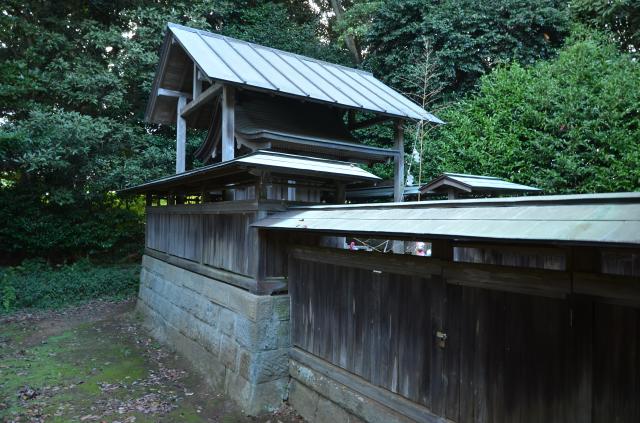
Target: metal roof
[288,164]
[574,219]
[251,65]
[474,183]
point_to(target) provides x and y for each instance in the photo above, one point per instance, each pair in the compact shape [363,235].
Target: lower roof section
[592,219]
[475,184]
[276,163]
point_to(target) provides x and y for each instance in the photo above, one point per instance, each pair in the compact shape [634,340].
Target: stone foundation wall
[239,341]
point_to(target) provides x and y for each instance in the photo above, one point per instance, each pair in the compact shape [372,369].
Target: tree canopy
[571,124]
[468,38]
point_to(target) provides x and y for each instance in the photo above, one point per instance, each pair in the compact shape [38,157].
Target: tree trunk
[348,39]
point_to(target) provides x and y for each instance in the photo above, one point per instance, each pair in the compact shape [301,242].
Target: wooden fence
[472,343]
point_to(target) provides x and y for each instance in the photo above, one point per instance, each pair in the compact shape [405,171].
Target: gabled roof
[278,163]
[474,183]
[256,67]
[612,219]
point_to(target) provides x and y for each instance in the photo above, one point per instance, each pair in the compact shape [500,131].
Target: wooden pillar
[451,194]
[181,135]
[398,168]
[228,123]
[262,185]
[149,198]
[197,83]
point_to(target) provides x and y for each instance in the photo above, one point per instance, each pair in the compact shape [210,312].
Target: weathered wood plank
[616,371]
[228,123]
[181,135]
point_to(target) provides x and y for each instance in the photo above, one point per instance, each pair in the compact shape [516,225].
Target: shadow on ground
[96,363]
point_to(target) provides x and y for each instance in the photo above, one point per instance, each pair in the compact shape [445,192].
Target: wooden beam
[398,167]
[206,96]
[366,123]
[228,123]
[173,93]
[181,136]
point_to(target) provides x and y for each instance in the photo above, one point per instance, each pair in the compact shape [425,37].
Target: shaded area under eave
[595,219]
[286,125]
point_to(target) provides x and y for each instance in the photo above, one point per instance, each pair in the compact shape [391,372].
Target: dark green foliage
[469,38]
[566,125]
[36,285]
[75,79]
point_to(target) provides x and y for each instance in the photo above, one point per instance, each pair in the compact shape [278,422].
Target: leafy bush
[34,284]
[567,125]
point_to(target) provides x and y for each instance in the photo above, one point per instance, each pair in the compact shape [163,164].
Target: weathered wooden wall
[220,240]
[513,353]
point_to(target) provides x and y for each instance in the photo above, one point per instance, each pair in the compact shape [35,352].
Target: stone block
[228,352]
[214,291]
[262,335]
[282,307]
[283,334]
[243,303]
[328,412]
[239,341]
[303,399]
[227,321]
[256,399]
[264,366]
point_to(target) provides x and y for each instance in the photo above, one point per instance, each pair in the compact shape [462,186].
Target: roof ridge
[468,175]
[632,197]
[226,37]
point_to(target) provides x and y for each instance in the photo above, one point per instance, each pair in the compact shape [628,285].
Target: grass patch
[36,285]
[72,367]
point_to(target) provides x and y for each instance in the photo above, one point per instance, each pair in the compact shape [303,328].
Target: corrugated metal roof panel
[607,219]
[293,162]
[276,162]
[239,62]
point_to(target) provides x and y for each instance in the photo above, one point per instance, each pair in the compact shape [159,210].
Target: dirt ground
[96,363]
